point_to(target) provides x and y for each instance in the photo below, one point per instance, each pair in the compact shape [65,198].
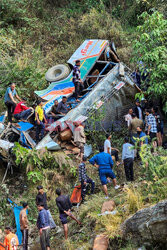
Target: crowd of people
[142,122]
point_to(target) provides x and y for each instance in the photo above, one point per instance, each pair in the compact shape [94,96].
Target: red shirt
[20,107]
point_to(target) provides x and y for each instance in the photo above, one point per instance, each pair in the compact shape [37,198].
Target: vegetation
[150,50]
[37,34]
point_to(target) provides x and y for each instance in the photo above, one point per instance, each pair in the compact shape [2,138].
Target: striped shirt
[76,74]
[151,121]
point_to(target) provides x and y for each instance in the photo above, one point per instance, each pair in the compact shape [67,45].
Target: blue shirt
[104,160]
[142,134]
[9,91]
[127,151]
[43,219]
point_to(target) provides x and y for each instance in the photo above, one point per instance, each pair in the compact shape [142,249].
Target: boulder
[66,135]
[100,242]
[108,206]
[148,224]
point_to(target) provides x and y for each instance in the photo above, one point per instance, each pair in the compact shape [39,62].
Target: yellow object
[40,112]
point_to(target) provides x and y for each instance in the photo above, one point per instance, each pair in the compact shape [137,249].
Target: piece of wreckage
[107,81]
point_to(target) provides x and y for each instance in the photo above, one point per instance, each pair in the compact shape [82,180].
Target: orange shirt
[11,241]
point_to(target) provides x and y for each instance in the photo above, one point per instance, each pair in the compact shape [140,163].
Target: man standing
[40,120]
[84,179]
[11,241]
[112,151]
[138,111]
[152,125]
[64,205]
[44,227]
[133,126]
[24,225]
[128,158]
[42,198]
[103,161]
[128,117]
[77,79]
[62,107]
[10,101]
[80,138]
[22,112]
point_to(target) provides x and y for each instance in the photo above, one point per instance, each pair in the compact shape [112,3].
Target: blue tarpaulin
[24,126]
[16,209]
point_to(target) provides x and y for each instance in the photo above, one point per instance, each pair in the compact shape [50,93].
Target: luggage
[76,195]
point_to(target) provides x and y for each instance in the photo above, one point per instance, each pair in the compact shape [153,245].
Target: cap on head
[39,187]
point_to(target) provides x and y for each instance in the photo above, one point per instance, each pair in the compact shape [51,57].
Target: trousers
[25,239]
[83,187]
[128,166]
[11,107]
[78,89]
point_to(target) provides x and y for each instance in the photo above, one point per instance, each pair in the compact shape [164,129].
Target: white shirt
[140,113]
[128,119]
[107,144]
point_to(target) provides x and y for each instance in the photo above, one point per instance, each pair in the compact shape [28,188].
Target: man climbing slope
[103,161]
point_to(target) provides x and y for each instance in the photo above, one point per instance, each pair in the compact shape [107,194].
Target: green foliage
[150,47]
[35,176]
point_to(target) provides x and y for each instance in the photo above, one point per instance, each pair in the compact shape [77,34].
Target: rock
[108,206]
[100,242]
[148,224]
[66,135]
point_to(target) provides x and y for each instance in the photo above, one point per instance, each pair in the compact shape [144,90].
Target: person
[64,205]
[62,107]
[40,120]
[143,135]
[137,110]
[152,125]
[24,225]
[11,241]
[128,117]
[80,138]
[136,122]
[103,161]
[53,110]
[44,227]
[42,198]
[77,80]
[84,179]
[110,54]
[137,77]
[159,125]
[10,102]
[128,158]
[108,149]
[22,112]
